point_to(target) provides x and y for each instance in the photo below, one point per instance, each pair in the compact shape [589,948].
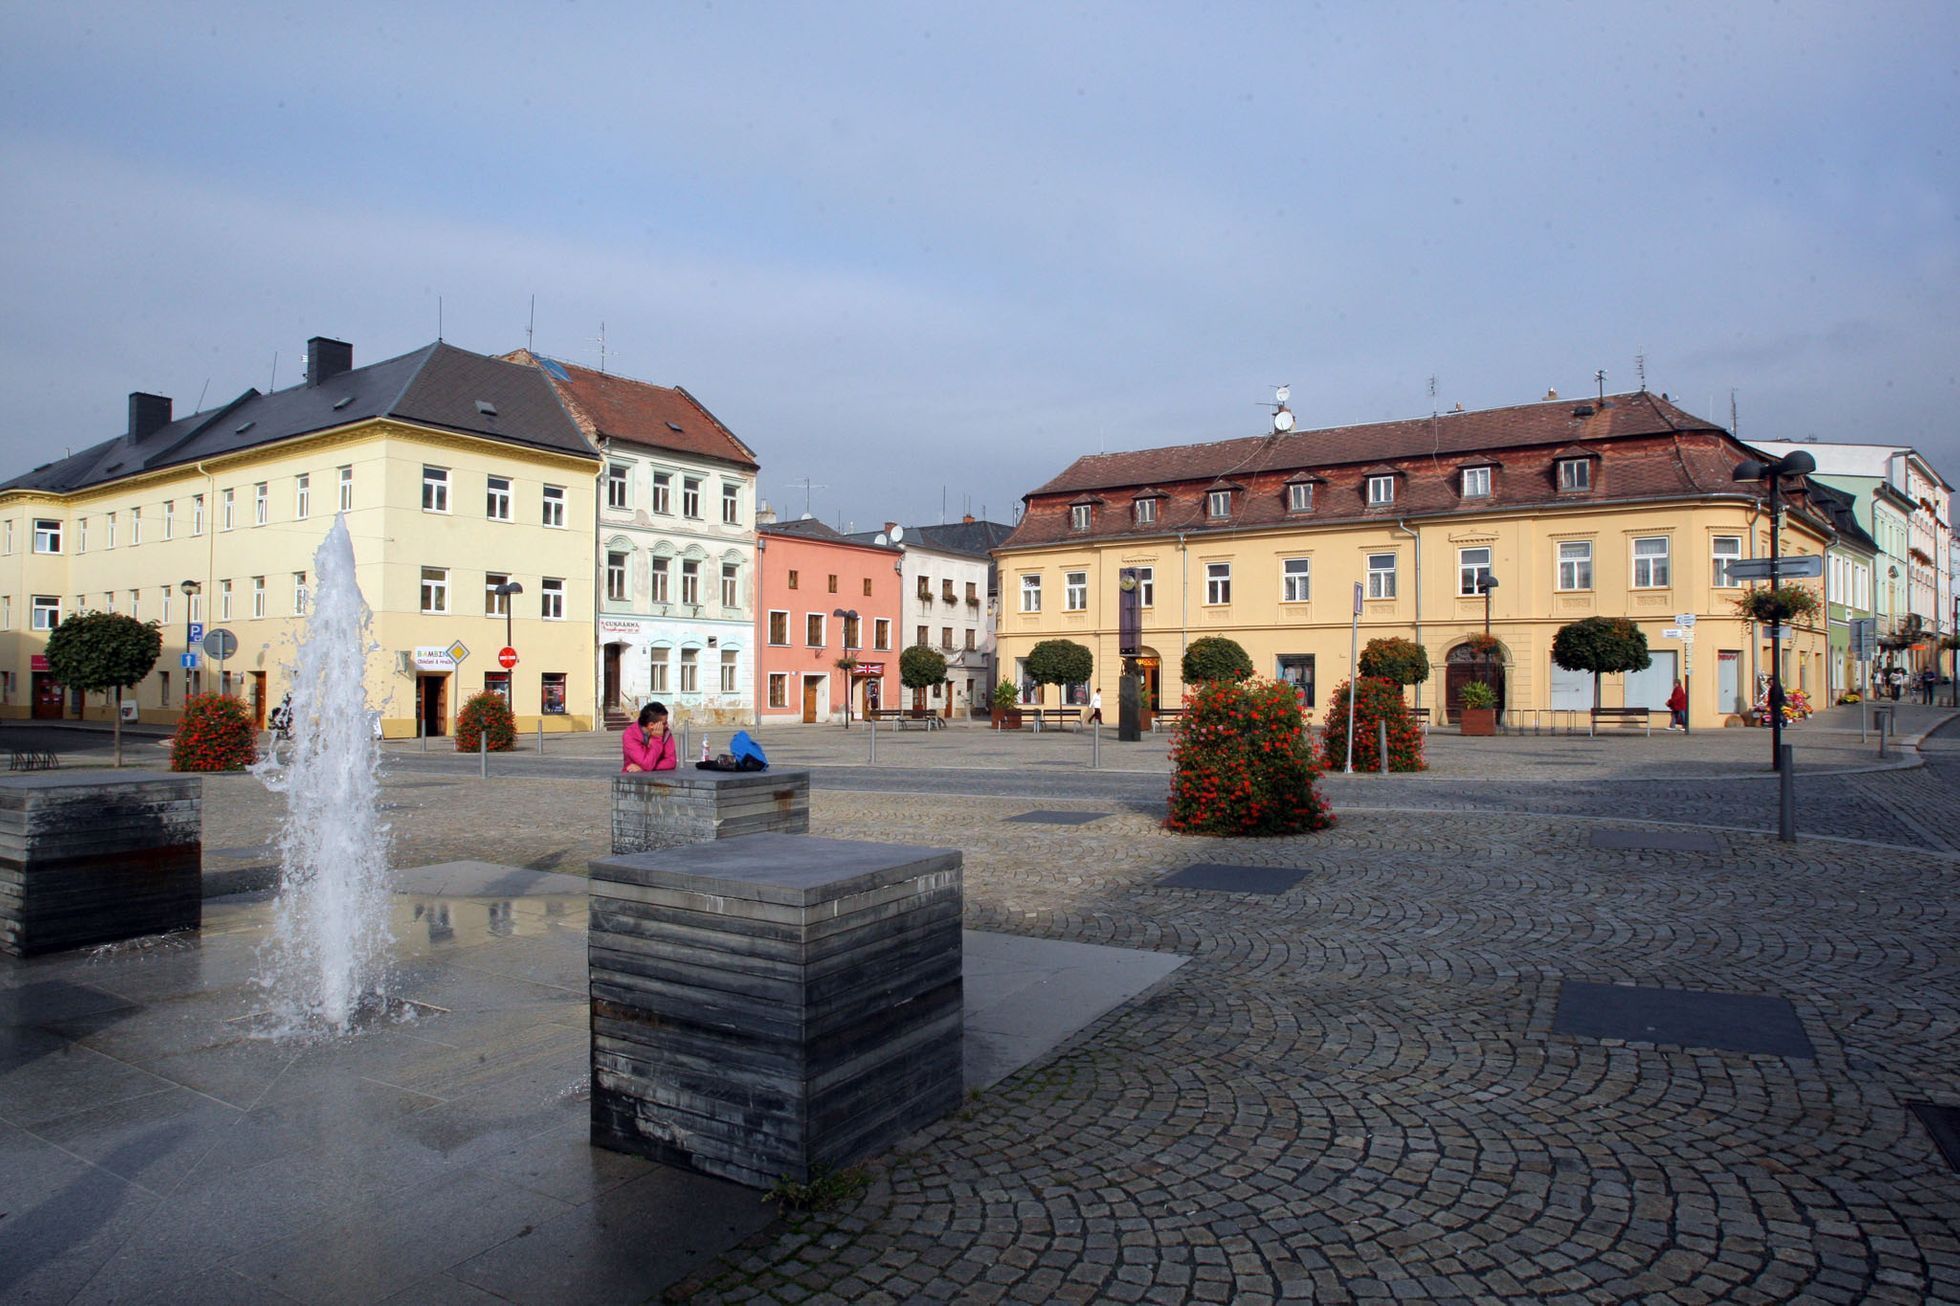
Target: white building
[676,548]
[950,600]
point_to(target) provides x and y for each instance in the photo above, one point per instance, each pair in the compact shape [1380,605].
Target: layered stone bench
[667,809]
[98,856]
[773,1005]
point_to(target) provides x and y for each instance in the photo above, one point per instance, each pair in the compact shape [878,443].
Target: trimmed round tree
[921,667]
[486,718]
[1241,763]
[214,734]
[1393,658]
[1060,662]
[1213,657]
[94,651]
[1376,699]
[1602,645]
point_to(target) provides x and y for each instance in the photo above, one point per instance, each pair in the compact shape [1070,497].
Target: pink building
[819,598]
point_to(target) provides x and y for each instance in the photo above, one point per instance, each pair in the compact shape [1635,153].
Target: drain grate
[1943,1123]
[1725,1022]
[1223,878]
[1059,818]
[1664,841]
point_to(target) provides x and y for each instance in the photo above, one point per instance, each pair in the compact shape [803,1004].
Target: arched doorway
[1469,662]
[1151,668]
[611,701]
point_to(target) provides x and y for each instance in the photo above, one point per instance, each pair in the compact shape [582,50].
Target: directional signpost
[1683,629]
[1802,566]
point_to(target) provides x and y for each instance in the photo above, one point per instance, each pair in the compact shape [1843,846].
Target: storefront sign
[37,662]
[432,657]
[619,628]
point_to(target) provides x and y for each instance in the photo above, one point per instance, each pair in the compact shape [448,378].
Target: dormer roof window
[1078,516]
[1381,489]
[1145,511]
[1572,470]
[1299,492]
[1475,481]
[1218,501]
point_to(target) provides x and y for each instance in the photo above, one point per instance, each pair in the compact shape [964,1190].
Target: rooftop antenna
[200,396]
[1732,422]
[1640,369]
[438,319]
[531,327]
[273,384]
[1282,415]
[808,485]
[1599,378]
[602,347]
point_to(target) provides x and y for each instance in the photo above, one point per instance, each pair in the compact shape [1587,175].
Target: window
[1472,566]
[946,590]
[925,588]
[728,594]
[346,489]
[299,594]
[813,630]
[81,535]
[1146,586]
[867,587]
[136,604]
[1078,517]
[691,496]
[1218,582]
[46,614]
[1650,563]
[495,604]
[833,582]
[969,639]
[1727,549]
[258,596]
[197,514]
[657,680]
[224,600]
[690,581]
[779,628]
[731,504]
[663,483]
[792,580]
[1146,511]
[1381,489]
[853,632]
[1296,669]
[946,637]
[496,498]
[1218,503]
[1296,580]
[1575,564]
[1031,593]
[728,671]
[163,688]
[197,609]
[973,594]
[551,601]
[881,634]
[921,640]
[1476,482]
[1075,591]
[1299,496]
[554,506]
[690,671]
[7,538]
[616,576]
[1574,474]
[302,496]
[1381,575]
[166,591]
[47,535]
[135,527]
[435,589]
[657,579]
[261,507]
[169,523]
[616,485]
[230,518]
[778,689]
[435,489]
[6,612]
[551,692]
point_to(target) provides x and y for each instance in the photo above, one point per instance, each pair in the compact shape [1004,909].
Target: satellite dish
[898,534]
[1282,394]
[881,541]
[1283,420]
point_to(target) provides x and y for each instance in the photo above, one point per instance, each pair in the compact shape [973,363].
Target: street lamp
[1796,463]
[1485,584]
[504,591]
[847,616]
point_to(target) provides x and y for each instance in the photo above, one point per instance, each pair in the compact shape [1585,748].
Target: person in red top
[1677,704]
[648,744]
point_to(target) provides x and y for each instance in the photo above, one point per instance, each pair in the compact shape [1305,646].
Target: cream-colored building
[458,475]
[1621,508]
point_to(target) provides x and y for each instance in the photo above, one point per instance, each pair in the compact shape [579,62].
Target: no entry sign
[507,658]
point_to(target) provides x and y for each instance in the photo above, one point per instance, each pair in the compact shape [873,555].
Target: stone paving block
[1729,1022]
[1224,878]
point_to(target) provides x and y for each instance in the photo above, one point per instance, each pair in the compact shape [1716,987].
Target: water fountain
[325,963]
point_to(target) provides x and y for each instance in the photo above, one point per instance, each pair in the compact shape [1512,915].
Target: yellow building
[458,474]
[1621,507]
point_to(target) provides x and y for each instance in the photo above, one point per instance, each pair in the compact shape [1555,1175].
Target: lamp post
[1796,463]
[189,587]
[1485,584]
[504,591]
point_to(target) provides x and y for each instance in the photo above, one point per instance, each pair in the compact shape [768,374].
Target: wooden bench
[1632,718]
[27,759]
[1059,718]
[1164,718]
[902,718]
[1421,714]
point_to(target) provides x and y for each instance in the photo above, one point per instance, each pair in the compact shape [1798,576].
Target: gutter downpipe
[1183,609]
[1402,524]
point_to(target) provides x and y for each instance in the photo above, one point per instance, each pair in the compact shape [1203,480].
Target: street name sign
[1778,632]
[1802,566]
[1684,618]
[1675,632]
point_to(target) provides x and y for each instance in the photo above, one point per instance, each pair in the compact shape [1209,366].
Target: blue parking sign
[194,633]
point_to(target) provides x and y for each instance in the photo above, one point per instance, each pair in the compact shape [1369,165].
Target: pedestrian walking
[1677,706]
[1895,679]
[1095,707]
[1927,679]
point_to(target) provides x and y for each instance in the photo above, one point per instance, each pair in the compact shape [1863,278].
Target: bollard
[483,754]
[680,758]
[1864,720]
[1884,721]
[1381,746]
[1786,804]
[540,736]
[872,734]
[1095,747]
[422,733]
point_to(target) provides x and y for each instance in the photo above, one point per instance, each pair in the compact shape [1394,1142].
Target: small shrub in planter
[486,716]
[1213,657]
[1375,699]
[214,734]
[1241,763]
[1393,658]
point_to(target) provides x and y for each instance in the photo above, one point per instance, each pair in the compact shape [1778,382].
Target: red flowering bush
[215,733]
[1242,764]
[1375,700]
[486,715]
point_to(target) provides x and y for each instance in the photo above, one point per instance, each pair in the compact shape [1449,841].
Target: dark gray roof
[977,539]
[438,385]
[1842,509]
[809,528]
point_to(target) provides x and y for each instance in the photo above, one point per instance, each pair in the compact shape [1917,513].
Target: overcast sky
[900,247]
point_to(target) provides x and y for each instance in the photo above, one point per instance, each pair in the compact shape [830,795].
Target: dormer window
[1078,517]
[1476,482]
[1218,503]
[1381,489]
[1299,496]
[1146,511]
[1574,474]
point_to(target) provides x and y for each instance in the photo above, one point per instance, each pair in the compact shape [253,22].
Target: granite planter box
[93,857]
[666,809]
[770,1006]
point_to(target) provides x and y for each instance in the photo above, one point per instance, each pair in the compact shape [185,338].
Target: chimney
[147,414]
[326,359]
[1551,394]
[890,526]
[764,514]
[967,520]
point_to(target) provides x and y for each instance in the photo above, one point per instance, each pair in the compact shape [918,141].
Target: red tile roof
[607,406]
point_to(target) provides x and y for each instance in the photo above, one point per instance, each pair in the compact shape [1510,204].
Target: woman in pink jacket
[648,744]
